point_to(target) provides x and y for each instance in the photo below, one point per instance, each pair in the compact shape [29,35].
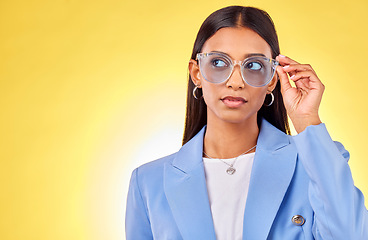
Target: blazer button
[298,220]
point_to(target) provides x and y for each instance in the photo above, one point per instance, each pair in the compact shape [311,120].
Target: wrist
[301,123]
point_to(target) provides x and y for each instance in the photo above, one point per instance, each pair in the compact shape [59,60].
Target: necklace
[231,170]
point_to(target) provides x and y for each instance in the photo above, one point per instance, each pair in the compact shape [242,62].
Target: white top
[228,194]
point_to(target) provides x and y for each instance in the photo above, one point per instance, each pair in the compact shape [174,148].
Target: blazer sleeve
[137,223]
[339,211]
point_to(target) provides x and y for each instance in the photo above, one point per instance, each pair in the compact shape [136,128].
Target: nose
[235,80]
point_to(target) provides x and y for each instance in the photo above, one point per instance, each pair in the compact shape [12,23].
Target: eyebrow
[245,56]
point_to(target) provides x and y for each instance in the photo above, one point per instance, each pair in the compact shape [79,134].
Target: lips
[233,102]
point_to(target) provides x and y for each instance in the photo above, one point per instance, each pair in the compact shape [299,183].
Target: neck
[229,140]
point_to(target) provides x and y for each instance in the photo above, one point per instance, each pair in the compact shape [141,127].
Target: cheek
[209,94]
[257,97]
[212,93]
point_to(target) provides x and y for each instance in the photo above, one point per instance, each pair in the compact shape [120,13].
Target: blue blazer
[304,175]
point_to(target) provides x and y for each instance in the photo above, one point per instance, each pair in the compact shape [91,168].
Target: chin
[237,117]
[241,115]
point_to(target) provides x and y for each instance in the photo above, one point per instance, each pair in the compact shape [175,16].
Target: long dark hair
[235,16]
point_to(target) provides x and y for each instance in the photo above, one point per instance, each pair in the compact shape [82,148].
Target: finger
[309,78]
[290,73]
[283,60]
[284,80]
[303,84]
[298,67]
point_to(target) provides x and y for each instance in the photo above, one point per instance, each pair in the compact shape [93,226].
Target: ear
[271,86]
[194,72]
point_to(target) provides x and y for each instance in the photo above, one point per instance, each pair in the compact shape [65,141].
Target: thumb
[284,80]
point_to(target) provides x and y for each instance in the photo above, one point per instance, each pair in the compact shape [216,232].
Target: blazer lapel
[186,191]
[272,171]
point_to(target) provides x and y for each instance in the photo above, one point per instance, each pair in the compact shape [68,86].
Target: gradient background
[92,89]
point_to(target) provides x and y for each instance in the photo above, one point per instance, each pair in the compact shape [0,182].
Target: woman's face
[233,100]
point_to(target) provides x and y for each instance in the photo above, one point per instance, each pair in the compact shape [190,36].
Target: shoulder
[157,164]
[152,172]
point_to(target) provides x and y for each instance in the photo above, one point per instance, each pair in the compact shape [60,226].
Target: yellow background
[92,89]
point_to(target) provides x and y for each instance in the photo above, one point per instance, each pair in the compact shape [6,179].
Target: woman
[239,174]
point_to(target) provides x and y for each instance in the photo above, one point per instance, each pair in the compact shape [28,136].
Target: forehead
[237,43]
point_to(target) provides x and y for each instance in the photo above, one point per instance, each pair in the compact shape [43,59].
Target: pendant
[230,170]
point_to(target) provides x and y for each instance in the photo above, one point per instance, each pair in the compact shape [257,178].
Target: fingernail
[292,76]
[286,66]
[281,55]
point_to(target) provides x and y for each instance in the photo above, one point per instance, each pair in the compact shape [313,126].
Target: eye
[255,66]
[219,63]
